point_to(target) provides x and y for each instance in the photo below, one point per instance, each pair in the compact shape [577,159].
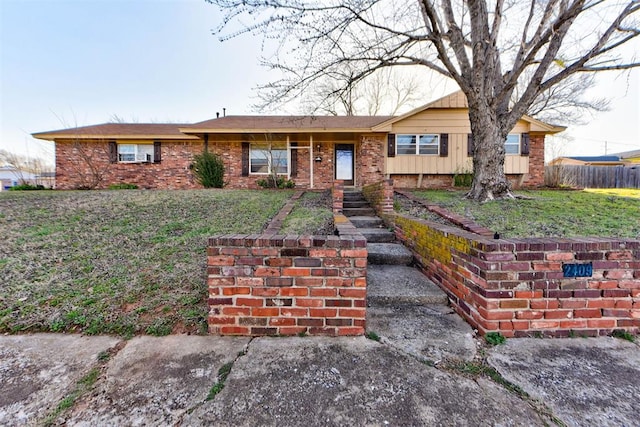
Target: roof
[628,154]
[459,100]
[595,158]
[233,124]
[588,160]
[264,124]
[119,131]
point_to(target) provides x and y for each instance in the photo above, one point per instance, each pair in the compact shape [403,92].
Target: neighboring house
[611,160]
[423,148]
[632,157]
[11,176]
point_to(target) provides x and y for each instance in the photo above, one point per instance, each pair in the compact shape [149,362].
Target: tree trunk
[489,180]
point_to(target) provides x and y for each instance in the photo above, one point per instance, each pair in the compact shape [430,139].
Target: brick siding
[535,177]
[370,159]
[80,164]
[174,172]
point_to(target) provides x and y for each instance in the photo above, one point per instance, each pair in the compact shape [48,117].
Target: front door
[345,163]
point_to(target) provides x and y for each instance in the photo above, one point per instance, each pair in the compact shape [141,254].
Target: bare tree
[385,92]
[489,47]
[567,103]
[91,163]
[88,160]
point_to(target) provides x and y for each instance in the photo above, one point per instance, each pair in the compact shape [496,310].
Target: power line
[606,141]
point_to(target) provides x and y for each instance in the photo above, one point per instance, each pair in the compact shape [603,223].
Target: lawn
[549,213]
[116,262]
[312,214]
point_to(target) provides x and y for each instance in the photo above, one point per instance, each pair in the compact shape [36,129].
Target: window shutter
[444,144]
[245,159]
[294,160]
[524,144]
[157,152]
[391,145]
[469,145]
[113,152]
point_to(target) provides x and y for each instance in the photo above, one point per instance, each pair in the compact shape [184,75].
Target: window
[428,144]
[133,153]
[265,160]
[512,145]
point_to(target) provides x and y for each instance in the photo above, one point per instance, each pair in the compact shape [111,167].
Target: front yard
[116,262]
[545,213]
[133,262]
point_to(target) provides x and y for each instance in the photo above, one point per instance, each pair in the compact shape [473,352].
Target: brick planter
[287,285]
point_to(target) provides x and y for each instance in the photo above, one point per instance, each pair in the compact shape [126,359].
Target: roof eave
[271,130]
[56,136]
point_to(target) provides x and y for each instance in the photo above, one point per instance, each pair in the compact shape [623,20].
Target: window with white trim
[135,153]
[512,144]
[426,144]
[265,159]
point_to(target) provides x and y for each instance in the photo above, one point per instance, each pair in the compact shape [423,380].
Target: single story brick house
[423,148]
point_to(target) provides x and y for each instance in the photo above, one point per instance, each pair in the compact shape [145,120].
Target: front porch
[310,160]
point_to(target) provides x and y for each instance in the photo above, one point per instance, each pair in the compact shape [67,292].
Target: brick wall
[535,177]
[428,181]
[516,286]
[370,159]
[230,150]
[380,196]
[86,164]
[323,172]
[277,285]
[337,196]
[446,180]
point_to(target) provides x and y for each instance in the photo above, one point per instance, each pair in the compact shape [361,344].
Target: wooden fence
[593,176]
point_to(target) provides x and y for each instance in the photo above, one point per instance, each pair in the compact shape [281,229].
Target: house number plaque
[577,270]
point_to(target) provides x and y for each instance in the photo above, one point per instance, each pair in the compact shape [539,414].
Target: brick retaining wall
[287,285]
[517,286]
[380,196]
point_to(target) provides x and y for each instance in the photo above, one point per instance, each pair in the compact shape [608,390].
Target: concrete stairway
[390,279]
[405,309]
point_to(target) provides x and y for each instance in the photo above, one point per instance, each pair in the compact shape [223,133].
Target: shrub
[123,186]
[462,180]
[26,187]
[208,170]
[280,182]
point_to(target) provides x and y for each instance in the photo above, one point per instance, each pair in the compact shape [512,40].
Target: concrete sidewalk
[104,381]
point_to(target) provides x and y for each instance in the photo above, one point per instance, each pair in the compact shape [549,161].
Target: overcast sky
[66,63]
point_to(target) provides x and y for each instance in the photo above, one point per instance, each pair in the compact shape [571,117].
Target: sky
[68,63]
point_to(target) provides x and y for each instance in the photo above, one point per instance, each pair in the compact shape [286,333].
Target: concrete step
[353,195]
[366,221]
[377,235]
[358,211]
[395,285]
[355,204]
[388,254]
[431,333]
